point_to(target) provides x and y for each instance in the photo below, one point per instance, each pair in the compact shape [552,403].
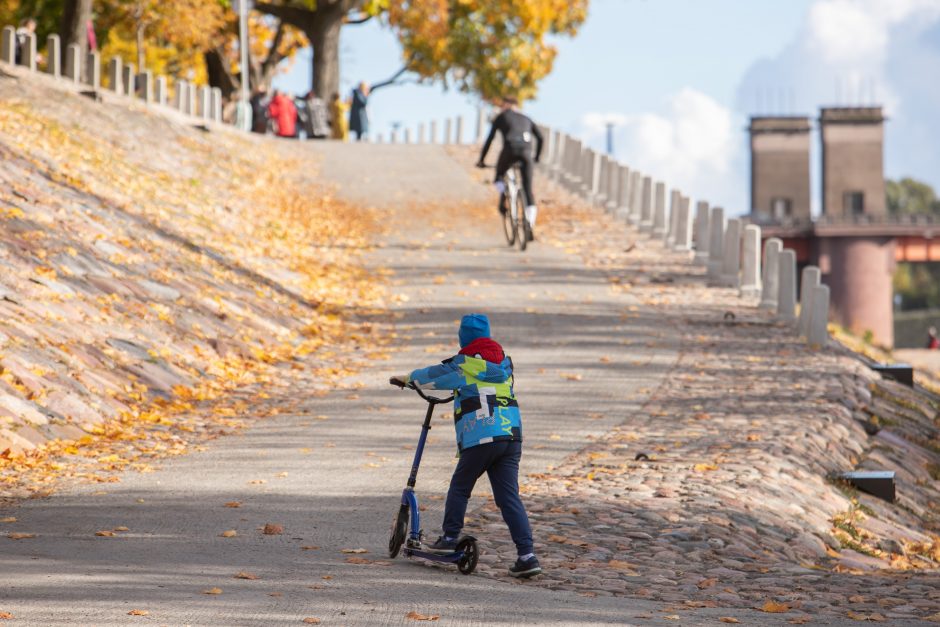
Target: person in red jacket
[284,114]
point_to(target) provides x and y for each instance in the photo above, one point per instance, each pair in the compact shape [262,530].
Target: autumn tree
[76,15]
[486,46]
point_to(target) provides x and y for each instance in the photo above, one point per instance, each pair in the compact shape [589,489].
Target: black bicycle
[512,204]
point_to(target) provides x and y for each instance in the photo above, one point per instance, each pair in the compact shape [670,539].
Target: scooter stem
[412,479]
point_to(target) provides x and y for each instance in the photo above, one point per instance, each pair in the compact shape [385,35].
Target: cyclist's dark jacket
[517,131]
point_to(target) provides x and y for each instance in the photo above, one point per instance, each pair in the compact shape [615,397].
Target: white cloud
[690,144]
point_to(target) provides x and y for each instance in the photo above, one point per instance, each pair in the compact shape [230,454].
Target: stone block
[786,285]
[731,258]
[159,91]
[809,279]
[599,193]
[646,206]
[432,136]
[672,217]
[660,217]
[28,57]
[750,262]
[683,235]
[116,75]
[458,130]
[73,64]
[819,316]
[216,100]
[180,95]
[636,202]
[93,70]
[623,191]
[716,239]
[481,126]
[448,130]
[771,273]
[54,56]
[407,135]
[701,233]
[8,45]
[146,86]
[129,75]
[205,103]
[421,133]
[393,137]
[613,185]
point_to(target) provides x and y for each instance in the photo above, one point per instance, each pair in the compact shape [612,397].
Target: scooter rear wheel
[471,553]
[396,537]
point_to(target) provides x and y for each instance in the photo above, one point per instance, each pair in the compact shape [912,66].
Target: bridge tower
[859,263]
[780,188]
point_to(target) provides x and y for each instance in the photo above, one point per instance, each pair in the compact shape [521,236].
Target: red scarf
[485,348]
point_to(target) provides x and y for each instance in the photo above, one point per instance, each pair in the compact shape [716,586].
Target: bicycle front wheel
[522,225]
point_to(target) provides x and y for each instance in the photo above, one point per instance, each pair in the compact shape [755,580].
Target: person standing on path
[318,125]
[517,131]
[489,435]
[933,342]
[339,124]
[358,115]
[284,114]
[27,28]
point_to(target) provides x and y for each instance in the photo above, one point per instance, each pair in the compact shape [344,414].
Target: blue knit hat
[472,327]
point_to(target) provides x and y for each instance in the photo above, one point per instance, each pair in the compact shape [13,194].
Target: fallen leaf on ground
[729,619]
[138,612]
[799,620]
[106,533]
[20,536]
[230,533]
[309,548]
[672,617]
[570,376]
[704,467]
[415,616]
[358,560]
[245,575]
[877,618]
[8,519]
[233,504]
[6,616]
[310,620]
[213,591]
[121,528]
[933,618]
[353,551]
[772,607]
[281,474]
[271,529]
[275,594]
[707,583]
[257,481]
[326,577]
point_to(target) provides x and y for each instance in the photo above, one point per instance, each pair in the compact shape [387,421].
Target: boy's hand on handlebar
[399,380]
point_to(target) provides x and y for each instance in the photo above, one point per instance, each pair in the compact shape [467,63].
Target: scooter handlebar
[431,399]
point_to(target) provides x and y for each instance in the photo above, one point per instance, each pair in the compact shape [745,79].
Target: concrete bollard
[750,262]
[819,316]
[192,93]
[701,233]
[73,64]
[786,285]
[146,86]
[447,131]
[588,171]
[130,82]
[613,185]
[393,137]
[636,202]
[716,239]
[771,273]
[205,103]
[683,235]
[93,70]
[481,125]
[54,56]
[8,45]
[116,75]
[646,206]
[458,130]
[179,96]
[407,135]
[421,133]
[432,136]
[731,249]
[216,99]
[659,209]
[623,193]
[665,230]
[809,279]
[599,196]
[159,91]
[29,57]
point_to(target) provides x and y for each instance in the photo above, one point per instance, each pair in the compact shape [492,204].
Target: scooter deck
[446,558]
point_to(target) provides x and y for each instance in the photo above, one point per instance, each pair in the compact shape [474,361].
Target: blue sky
[681,77]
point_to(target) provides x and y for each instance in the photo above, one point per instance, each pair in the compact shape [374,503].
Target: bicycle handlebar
[430,399]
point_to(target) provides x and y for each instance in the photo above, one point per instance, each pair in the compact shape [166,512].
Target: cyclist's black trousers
[507,158]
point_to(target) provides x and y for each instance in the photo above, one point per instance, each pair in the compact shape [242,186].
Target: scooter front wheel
[471,554]
[396,537]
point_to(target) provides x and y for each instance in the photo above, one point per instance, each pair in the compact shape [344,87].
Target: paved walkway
[590,353]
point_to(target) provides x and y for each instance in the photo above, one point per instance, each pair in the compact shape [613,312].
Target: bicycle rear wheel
[509,222]
[522,225]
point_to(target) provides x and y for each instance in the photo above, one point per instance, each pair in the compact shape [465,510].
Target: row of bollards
[202,102]
[729,249]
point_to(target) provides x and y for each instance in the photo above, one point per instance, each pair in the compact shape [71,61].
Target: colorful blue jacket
[485,409]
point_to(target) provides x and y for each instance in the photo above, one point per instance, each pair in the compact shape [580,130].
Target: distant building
[780,176]
[853,182]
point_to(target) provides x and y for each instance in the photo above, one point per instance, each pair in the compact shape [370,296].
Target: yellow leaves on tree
[492,47]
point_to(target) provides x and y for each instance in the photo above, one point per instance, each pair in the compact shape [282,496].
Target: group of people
[309,117]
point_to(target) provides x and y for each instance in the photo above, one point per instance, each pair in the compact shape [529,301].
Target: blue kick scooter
[412,537]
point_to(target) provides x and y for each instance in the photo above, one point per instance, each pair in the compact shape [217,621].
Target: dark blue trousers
[500,461]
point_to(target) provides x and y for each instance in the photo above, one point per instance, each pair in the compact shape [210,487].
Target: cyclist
[517,131]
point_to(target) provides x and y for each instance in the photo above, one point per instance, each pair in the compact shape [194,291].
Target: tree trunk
[141,54]
[218,73]
[74,25]
[323,35]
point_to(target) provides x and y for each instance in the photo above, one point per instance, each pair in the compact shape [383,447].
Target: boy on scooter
[489,435]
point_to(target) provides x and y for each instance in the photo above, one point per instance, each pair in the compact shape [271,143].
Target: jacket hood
[488,371]
[484,347]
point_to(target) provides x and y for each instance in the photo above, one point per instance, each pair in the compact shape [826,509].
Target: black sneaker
[525,569]
[443,545]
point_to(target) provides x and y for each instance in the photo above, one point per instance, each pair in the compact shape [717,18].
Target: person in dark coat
[358,116]
[259,111]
